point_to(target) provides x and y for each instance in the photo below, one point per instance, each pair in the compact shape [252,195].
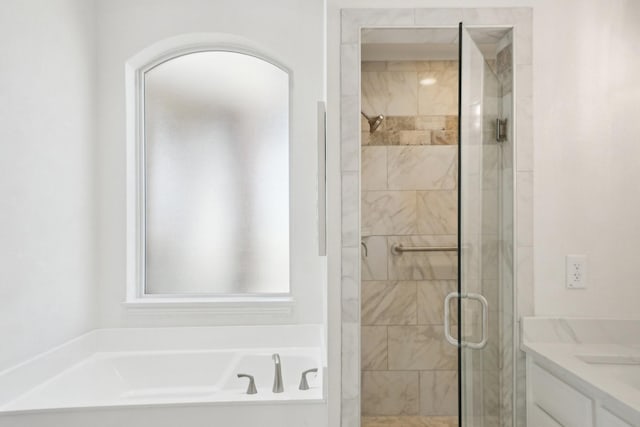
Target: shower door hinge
[501,130]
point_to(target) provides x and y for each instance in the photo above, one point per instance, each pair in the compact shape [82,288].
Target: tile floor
[409,421]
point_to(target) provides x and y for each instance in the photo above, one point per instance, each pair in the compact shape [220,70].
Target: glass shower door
[482,330]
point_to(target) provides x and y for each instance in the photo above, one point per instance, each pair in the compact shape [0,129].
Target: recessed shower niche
[436,225]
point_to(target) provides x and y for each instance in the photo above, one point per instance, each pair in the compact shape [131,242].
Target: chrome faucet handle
[252,384]
[304,385]
[277,377]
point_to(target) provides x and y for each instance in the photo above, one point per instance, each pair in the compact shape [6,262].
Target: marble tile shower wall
[409,196]
[504,69]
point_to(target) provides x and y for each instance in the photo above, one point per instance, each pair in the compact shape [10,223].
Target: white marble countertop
[561,344]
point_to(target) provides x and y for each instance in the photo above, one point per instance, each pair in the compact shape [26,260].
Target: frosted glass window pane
[216,175]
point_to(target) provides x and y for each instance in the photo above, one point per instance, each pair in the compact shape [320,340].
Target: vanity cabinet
[606,418]
[538,418]
[554,400]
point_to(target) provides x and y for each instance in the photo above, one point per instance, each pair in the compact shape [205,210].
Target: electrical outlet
[576,271]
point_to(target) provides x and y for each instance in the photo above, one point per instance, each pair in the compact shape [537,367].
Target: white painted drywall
[293,31]
[47,278]
[587,155]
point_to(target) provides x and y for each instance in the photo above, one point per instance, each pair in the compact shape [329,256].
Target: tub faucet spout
[277,379]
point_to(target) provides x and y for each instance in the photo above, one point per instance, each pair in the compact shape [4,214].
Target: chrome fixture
[501,130]
[398,249]
[277,379]
[364,246]
[374,122]
[457,342]
[304,385]
[251,389]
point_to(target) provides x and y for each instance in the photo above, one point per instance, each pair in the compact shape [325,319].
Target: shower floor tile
[410,421]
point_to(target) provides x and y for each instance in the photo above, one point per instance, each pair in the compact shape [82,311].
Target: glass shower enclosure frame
[485,241]
[486,332]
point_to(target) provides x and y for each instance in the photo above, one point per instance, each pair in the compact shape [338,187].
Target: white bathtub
[170,376]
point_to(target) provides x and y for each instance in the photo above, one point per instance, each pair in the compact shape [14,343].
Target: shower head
[374,122]
[377,121]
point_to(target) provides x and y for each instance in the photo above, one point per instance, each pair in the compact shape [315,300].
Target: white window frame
[243,308]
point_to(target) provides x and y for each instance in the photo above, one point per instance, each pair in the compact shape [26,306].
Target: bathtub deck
[165,370]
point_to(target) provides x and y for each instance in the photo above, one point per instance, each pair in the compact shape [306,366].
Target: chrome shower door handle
[485,321]
[447,323]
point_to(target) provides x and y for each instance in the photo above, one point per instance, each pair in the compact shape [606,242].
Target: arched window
[210,154]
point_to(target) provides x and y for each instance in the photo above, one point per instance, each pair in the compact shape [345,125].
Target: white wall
[587,155]
[46,175]
[293,31]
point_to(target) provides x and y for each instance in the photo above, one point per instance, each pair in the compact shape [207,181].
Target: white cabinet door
[536,417]
[608,419]
[558,399]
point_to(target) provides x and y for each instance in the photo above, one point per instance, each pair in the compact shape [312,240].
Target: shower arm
[374,122]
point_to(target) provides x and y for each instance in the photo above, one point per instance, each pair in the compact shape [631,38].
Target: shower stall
[437,327]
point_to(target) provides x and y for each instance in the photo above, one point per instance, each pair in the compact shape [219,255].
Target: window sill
[230,310]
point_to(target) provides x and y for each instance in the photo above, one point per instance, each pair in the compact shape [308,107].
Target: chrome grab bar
[398,249]
[365,248]
[485,321]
